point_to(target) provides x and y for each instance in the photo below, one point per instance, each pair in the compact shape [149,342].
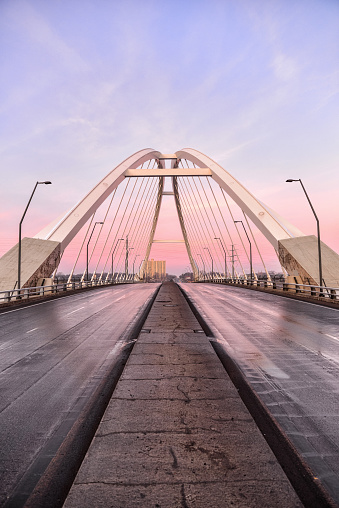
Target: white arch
[268,222]
[297,252]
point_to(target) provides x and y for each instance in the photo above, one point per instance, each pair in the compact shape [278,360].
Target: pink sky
[86,87]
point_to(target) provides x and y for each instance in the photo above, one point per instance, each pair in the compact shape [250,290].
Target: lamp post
[141,262]
[87,249]
[133,265]
[126,259]
[249,241]
[19,246]
[118,240]
[318,229]
[126,262]
[223,248]
[232,261]
[203,264]
[206,248]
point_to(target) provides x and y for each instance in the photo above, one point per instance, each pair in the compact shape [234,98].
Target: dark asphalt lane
[289,352]
[53,354]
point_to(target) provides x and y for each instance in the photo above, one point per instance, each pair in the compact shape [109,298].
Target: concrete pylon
[39,258]
[297,252]
[299,256]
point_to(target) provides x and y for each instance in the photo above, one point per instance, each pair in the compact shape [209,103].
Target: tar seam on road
[310,492]
[49,487]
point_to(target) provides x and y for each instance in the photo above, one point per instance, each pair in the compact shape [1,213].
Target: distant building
[155,269]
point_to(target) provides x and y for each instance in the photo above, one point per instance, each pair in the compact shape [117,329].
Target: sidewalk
[176,433]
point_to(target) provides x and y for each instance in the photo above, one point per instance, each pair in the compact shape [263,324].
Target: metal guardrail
[302,289]
[31,292]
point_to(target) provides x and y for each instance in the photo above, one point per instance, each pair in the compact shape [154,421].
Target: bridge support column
[39,259]
[299,256]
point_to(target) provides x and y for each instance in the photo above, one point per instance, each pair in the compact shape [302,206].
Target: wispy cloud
[285,67]
[228,153]
[29,22]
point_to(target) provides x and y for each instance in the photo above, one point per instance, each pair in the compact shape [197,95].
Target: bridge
[201,206]
[118,392]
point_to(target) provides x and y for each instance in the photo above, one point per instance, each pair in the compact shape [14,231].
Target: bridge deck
[176,433]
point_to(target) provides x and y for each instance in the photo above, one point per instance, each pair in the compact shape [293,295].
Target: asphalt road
[53,356]
[289,352]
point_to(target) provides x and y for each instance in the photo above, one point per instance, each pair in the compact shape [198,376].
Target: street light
[19,246]
[126,259]
[206,248]
[126,263]
[203,264]
[141,262]
[119,240]
[196,264]
[222,245]
[133,265]
[318,229]
[87,249]
[249,243]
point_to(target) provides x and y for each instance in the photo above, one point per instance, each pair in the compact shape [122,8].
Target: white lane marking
[33,329]
[121,297]
[263,293]
[332,337]
[76,310]
[48,301]
[40,303]
[271,369]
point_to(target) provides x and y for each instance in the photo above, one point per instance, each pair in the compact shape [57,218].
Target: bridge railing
[312,291]
[38,291]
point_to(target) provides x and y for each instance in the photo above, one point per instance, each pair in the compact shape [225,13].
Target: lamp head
[46,183]
[291,180]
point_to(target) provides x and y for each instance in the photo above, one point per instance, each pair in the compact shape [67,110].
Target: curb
[207,330]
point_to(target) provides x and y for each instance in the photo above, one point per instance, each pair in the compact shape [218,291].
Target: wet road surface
[289,352]
[182,438]
[52,356]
